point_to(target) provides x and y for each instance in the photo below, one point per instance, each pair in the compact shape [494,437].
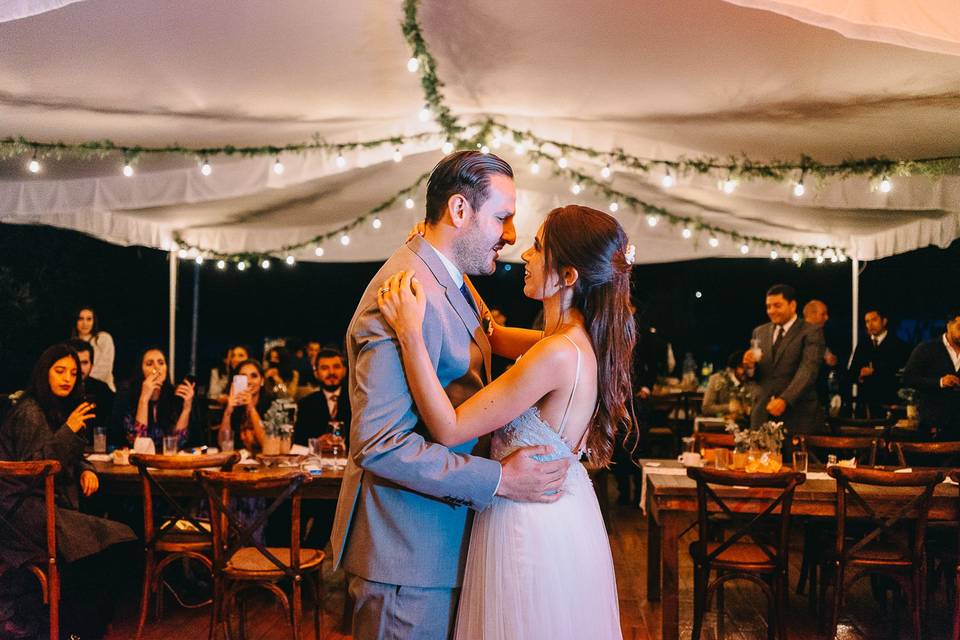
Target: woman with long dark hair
[49,422]
[281,379]
[243,415]
[87,328]
[541,570]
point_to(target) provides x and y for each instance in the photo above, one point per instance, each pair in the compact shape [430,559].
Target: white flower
[630,253]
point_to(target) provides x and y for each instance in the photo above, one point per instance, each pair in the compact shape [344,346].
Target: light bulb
[842,257]
[820,258]
[614,207]
[341,162]
[409,203]
[773,254]
[535,167]
[265,264]
[221,265]
[576,188]
[198,259]
[698,295]
[496,142]
[278,167]
[799,190]
[744,249]
[885,185]
[520,148]
[562,162]
[318,252]
[182,253]
[447,147]
[290,260]
[345,240]
[127,169]
[377,223]
[205,168]
[606,172]
[713,242]
[34,165]
[687,233]
[424,114]
[397,156]
[484,149]
[729,186]
[413,65]
[796,257]
[241,266]
[652,220]
[668,180]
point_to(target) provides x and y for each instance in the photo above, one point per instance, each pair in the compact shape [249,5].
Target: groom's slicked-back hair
[464,172]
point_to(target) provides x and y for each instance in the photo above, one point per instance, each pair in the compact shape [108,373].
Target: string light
[205,167]
[744,249]
[606,172]
[290,260]
[446,147]
[397,155]
[241,266]
[799,189]
[687,233]
[198,259]
[667,181]
[576,188]
[424,114]
[698,295]
[278,167]
[318,252]
[885,185]
[341,162]
[773,254]
[535,167]
[409,203]
[713,242]
[520,149]
[729,186]
[614,206]
[221,264]
[562,162]
[265,264]
[34,165]
[842,257]
[819,258]
[796,257]
[652,220]
[182,253]
[345,240]
[377,223]
[484,149]
[413,65]
[127,169]
[497,141]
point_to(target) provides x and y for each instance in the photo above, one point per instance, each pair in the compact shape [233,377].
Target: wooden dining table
[670,501]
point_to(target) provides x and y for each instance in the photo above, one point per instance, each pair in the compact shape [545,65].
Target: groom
[403,518]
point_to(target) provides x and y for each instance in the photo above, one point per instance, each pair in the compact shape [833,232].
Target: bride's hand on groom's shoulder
[402,302]
[418,230]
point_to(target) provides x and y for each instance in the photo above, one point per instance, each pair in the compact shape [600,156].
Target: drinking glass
[800,461]
[755,348]
[99,440]
[170,445]
[721,459]
[314,445]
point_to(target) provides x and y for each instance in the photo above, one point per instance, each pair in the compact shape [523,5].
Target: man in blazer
[876,365]
[403,518]
[933,369]
[331,402]
[786,372]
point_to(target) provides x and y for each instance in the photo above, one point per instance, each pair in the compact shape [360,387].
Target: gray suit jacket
[791,375]
[403,516]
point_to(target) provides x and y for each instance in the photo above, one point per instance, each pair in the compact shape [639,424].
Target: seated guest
[876,364]
[94,391]
[331,402]
[87,328]
[245,408]
[152,406]
[235,355]
[724,386]
[933,369]
[280,376]
[219,378]
[308,382]
[49,423]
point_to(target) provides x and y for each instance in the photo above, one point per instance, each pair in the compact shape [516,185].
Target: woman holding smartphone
[246,404]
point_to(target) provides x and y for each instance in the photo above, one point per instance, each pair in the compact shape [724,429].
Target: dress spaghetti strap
[576,382]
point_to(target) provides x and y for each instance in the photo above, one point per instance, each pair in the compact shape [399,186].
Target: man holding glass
[784,359]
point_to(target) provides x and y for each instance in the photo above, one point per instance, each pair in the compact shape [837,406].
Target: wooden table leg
[653,557]
[670,581]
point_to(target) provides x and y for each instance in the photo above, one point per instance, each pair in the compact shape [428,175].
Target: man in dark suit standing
[330,403]
[934,371]
[786,368]
[876,363]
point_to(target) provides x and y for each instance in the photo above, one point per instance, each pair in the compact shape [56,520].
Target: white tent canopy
[684,78]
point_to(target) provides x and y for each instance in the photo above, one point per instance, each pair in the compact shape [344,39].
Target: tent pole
[172,338]
[854,305]
[196,318]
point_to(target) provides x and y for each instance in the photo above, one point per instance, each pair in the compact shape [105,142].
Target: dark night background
[46,274]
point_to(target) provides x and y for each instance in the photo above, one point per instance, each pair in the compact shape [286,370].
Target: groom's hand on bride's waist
[526,479]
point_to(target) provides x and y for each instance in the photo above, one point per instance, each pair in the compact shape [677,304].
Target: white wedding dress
[540,571]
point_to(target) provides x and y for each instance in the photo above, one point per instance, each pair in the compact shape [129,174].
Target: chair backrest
[817,447]
[893,510]
[230,534]
[154,484]
[784,483]
[31,475]
[705,440]
[927,454]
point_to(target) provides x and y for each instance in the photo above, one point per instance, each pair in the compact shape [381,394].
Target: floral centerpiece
[757,449]
[909,396]
[740,396]
[277,427]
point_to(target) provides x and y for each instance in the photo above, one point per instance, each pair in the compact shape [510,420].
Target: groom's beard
[475,254]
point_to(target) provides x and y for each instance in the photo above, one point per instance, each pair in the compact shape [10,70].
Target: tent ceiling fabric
[688,77]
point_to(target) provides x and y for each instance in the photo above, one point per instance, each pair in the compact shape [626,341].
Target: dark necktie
[876,342]
[777,337]
[468,297]
[335,404]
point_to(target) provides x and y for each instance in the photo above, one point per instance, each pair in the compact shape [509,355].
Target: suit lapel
[469,317]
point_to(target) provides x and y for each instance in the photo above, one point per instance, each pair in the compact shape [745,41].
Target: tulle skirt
[540,571]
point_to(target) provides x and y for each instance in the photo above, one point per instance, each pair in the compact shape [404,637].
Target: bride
[540,570]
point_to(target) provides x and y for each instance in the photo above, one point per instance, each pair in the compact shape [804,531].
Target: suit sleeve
[383,436]
[806,375]
[915,374]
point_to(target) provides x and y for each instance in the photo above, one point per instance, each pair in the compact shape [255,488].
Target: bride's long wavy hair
[595,244]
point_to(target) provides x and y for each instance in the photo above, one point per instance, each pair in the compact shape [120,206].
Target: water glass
[314,445]
[170,445]
[755,348]
[99,440]
[800,461]
[721,458]
[831,460]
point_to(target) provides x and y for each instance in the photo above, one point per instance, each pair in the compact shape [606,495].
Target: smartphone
[239,383]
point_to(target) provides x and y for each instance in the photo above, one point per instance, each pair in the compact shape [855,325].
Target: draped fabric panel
[17,9]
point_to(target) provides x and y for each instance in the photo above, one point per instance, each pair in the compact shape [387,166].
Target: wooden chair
[864,448]
[179,536]
[892,544]
[927,454]
[242,562]
[32,474]
[708,440]
[860,427]
[750,552]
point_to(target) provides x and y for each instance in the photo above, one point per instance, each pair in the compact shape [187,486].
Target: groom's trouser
[394,612]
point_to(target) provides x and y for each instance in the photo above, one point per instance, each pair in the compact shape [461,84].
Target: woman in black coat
[49,423]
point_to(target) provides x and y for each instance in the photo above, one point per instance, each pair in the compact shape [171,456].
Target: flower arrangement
[908,395]
[767,437]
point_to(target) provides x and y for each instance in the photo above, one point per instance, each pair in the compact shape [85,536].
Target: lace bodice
[527,429]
